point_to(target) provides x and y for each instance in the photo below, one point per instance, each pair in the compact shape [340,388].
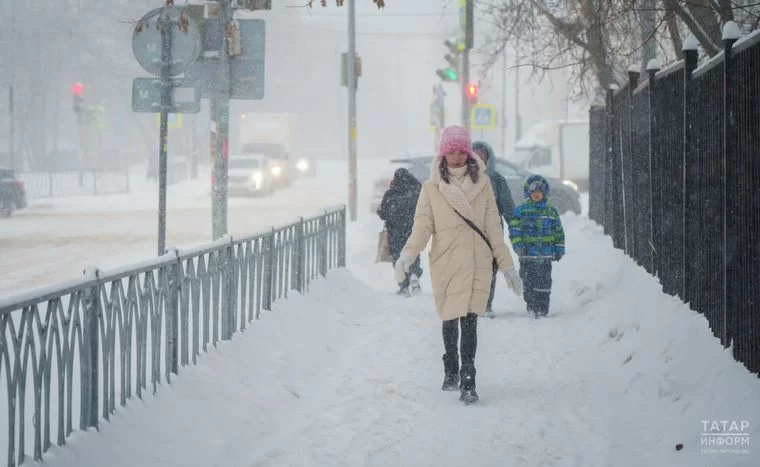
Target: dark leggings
[469,346]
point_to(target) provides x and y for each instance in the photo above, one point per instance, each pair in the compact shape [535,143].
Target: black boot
[451,372]
[469,395]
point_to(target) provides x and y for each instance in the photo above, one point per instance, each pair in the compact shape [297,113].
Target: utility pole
[11,95]
[166,90]
[352,178]
[468,43]
[518,121]
[503,118]
[220,113]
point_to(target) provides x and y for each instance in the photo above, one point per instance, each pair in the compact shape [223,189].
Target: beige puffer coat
[459,260]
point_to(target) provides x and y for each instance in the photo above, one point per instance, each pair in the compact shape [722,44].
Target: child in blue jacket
[538,239]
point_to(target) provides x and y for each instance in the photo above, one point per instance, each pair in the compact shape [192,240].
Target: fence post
[90,384]
[731,34]
[609,211]
[229,286]
[299,259]
[268,271]
[342,239]
[172,311]
[691,59]
[629,216]
[324,239]
[655,168]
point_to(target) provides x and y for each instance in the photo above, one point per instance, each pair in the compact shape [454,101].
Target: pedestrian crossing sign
[483,116]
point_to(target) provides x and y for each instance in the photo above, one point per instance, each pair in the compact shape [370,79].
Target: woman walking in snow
[397,210]
[458,209]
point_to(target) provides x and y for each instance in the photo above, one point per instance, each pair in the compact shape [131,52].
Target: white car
[250,174]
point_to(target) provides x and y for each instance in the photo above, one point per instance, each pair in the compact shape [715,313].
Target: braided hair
[472,169]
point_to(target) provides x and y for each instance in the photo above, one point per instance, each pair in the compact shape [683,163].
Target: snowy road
[56,239]
[350,375]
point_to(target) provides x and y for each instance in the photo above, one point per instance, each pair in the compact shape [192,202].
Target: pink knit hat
[455,139]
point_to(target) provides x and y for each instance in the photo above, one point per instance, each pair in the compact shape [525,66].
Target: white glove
[513,280]
[402,267]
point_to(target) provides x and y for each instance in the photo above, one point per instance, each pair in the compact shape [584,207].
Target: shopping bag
[383,253]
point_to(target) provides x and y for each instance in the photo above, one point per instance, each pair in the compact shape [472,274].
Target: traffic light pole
[351,75]
[468,34]
[221,115]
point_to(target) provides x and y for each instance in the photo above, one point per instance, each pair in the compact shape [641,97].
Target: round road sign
[185,40]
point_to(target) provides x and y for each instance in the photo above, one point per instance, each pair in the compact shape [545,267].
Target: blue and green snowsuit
[538,239]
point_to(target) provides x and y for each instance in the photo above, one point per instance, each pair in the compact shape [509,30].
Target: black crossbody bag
[474,227]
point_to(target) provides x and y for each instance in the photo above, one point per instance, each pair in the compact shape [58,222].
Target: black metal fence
[675,181]
[71,352]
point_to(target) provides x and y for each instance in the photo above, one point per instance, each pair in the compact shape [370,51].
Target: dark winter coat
[501,191]
[397,209]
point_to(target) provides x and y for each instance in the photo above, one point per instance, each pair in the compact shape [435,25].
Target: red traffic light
[472,91]
[77,89]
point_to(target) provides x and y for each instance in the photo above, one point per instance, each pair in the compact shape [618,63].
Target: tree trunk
[706,38]
[675,35]
[706,19]
[595,35]
[648,24]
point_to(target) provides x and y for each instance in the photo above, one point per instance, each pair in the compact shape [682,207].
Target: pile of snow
[350,374]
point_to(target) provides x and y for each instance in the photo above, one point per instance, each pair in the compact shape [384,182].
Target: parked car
[250,174]
[564,196]
[12,192]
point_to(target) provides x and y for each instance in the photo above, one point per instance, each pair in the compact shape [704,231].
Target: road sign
[146,96]
[185,41]
[174,122]
[246,69]
[483,116]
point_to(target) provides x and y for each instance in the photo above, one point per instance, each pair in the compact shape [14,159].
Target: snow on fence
[675,181]
[71,352]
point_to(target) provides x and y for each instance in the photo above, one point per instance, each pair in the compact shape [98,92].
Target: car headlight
[257,176]
[277,171]
[571,184]
[302,165]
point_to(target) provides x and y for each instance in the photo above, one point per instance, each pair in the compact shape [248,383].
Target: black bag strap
[476,229]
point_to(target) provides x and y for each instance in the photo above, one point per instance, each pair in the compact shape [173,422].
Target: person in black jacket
[397,210]
[503,195]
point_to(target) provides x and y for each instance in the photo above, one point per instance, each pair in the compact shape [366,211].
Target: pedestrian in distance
[457,209]
[397,210]
[503,201]
[538,239]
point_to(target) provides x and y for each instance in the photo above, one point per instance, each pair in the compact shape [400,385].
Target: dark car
[563,197]
[12,192]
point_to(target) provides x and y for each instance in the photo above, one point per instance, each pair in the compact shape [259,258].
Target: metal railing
[75,183]
[675,180]
[95,342]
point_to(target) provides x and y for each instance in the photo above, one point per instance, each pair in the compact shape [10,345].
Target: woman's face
[456,159]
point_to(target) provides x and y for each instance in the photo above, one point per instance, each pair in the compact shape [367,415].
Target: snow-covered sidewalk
[349,375]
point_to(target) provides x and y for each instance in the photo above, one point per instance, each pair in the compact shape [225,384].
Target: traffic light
[451,73]
[472,92]
[77,89]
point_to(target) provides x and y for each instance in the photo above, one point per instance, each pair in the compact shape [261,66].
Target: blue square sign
[483,116]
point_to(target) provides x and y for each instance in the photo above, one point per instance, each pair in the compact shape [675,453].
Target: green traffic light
[450,74]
